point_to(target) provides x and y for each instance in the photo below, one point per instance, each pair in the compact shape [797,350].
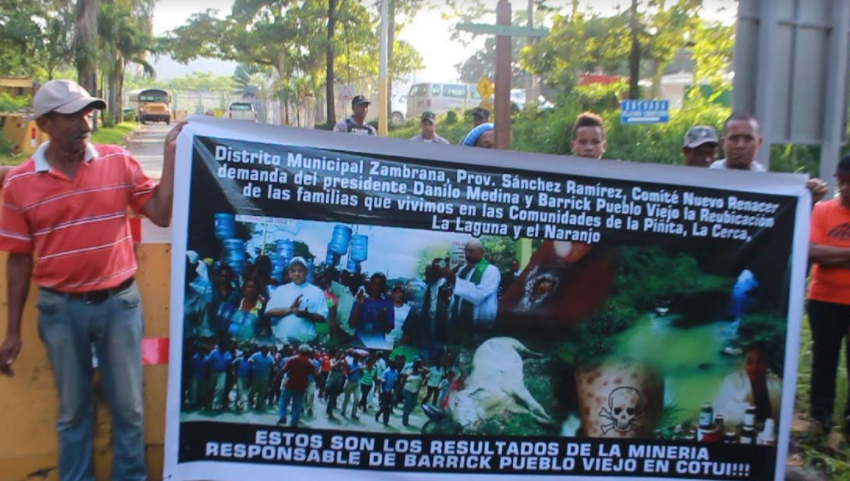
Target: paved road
[146,145]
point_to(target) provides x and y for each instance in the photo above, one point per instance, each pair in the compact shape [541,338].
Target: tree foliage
[580,43]
[122,40]
[35,37]
[290,37]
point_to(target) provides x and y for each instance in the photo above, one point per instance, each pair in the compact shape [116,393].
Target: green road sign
[506,30]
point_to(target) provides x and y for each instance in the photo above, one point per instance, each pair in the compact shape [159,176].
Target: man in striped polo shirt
[64,221]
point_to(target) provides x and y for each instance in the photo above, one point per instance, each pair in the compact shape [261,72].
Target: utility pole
[503,78]
[634,60]
[529,77]
[382,83]
[504,32]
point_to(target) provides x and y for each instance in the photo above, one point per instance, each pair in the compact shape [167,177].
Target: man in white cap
[700,146]
[67,207]
[299,304]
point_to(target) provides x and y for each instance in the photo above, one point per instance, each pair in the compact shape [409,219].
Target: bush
[549,131]
[6,147]
[9,103]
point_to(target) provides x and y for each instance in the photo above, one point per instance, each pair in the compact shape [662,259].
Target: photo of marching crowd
[323,325]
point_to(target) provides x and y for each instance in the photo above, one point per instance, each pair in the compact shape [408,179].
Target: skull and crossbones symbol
[624,410]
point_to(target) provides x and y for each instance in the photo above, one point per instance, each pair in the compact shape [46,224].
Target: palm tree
[85,43]
[122,41]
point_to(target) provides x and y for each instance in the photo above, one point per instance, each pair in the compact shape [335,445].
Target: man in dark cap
[480,115]
[356,124]
[700,146]
[429,130]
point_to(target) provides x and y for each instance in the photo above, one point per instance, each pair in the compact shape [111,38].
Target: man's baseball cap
[64,97]
[359,100]
[699,135]
[298,260]
[430,117]
[305,349]
[843,166]
[481,112]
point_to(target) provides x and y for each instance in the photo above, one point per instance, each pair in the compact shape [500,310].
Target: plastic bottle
[359,248]
[339,240]
[707,432]
[748,433]
[225,226]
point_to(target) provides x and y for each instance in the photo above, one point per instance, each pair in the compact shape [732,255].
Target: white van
[440,98]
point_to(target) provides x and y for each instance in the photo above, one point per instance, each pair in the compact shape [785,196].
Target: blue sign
[644,111]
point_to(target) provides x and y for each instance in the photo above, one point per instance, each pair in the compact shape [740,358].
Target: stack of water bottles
[338,247]
[285,253]
[234,249]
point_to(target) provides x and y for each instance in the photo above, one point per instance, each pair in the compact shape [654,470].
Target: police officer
[356,124]
[429,130]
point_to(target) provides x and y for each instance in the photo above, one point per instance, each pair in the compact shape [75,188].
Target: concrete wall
[28,404]
[19,132]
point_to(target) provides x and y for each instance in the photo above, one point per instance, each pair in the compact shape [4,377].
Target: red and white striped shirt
[78,229]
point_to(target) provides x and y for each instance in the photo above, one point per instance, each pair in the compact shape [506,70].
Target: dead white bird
[495,385]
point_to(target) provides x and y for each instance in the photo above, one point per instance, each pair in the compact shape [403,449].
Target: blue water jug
[359,248]
[225,226]
[233,245]
[234,254]
[351,266]
[339,240]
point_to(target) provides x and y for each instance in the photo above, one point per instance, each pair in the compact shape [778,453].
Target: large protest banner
[527,314]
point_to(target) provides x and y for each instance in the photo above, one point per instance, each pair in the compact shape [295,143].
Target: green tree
[499,251]
[86,42]
[483,62]
[713,48]
[292,37]
[671,25]
[202,81]
[579,43]
[35,37]
[330,53]
[121,41]
[428,254]
[250,81]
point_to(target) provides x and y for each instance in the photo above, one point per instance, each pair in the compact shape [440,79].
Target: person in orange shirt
[829,294]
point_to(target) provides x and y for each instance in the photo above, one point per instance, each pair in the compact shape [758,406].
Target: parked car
[242,111]
[440,98]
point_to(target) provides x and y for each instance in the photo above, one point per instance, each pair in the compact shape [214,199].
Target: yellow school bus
[154,106]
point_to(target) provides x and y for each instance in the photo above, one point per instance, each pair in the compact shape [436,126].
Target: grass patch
[11,159]
[114,135]
[812,446]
